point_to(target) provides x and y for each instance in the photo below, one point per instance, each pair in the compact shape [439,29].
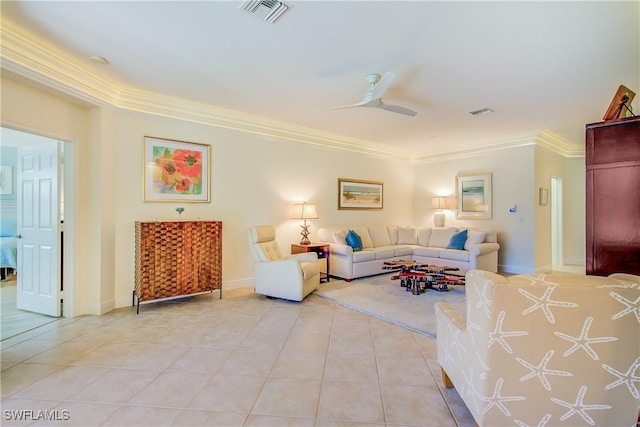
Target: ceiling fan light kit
[378,85]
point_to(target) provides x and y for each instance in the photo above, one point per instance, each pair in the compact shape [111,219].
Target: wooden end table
[321,249]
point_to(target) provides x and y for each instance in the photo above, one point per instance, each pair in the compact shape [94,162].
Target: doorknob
[18,236]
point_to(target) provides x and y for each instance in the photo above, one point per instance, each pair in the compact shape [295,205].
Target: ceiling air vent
[481,112]
[267,10]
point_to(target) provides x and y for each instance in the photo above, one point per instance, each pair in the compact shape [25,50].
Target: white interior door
[38,287]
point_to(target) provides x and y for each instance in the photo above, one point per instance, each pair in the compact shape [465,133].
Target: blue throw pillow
[457,240]
[354,241]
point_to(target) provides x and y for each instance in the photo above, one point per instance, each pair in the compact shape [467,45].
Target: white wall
[512,173]
[53,115]
[255,180]
[574,211]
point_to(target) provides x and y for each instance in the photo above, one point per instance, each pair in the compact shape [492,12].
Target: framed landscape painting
[474,196]
[357,194]
[176,171]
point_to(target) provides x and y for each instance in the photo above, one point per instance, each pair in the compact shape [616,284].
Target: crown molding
[42,62]
[477,149]
[170,107]
[558,145]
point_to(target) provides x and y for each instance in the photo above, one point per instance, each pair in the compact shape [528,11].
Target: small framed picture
[176,171]
[359,195]
[474,196]
[543,196]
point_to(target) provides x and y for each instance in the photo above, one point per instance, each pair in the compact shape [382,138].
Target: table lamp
[439,203]
[305,212]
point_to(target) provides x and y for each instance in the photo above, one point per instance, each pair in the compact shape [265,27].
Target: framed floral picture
[176,171]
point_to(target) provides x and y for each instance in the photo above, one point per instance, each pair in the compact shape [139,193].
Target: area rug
[385,299]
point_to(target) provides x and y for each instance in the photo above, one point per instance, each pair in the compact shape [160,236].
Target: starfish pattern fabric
[583,341]
[541,371]
[545,350]
[544,303]
[579,407]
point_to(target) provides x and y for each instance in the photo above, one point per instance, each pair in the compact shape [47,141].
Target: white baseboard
[513,269]
[125,300]
[544,269]
[98,309]
[238,283]
[574,261]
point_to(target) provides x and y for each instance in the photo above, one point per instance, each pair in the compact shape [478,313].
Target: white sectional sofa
[388,243]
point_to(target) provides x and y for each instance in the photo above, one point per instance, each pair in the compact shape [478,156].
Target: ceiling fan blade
[397,109]
[359,104]
[383,84]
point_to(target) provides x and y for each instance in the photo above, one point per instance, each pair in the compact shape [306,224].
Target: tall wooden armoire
[613,197]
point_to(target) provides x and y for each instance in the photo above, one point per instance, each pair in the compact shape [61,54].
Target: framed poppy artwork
[176,171]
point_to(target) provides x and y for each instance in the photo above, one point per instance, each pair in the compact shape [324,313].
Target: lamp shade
[304,211]
[439,203]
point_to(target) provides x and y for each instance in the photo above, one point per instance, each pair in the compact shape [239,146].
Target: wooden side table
[321,249]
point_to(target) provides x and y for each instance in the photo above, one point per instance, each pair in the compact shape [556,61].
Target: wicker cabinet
[177,258]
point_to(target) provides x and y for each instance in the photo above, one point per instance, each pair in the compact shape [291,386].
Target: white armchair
[292,277]
[547,350]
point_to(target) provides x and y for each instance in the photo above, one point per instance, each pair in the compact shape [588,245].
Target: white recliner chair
[292,277]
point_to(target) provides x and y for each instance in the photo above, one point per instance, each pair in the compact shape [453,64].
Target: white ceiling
[541,66]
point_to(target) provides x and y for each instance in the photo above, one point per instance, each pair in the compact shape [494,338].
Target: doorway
[557,258]
[15,321]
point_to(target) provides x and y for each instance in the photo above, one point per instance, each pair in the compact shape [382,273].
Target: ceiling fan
[378,85]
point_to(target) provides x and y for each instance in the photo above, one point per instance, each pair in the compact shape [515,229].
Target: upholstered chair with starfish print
[544,350]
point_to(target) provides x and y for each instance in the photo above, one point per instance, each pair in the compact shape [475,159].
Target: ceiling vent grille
[267,10]
[481,112]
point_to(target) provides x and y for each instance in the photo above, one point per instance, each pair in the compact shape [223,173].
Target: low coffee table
[418,277]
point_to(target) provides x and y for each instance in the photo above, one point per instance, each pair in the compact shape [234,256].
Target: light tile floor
[12,320]
[241,361]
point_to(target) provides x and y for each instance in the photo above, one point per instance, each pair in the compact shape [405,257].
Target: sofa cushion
[354,240]
[383,253]
[453,254]
[402,250]
[425,251]
[423,236]
[407,236]
[364,235]
[474,237]
[363,256]
[339,236]
[440,237]
[457,240]
[490,236]
[379,236]
[393,234]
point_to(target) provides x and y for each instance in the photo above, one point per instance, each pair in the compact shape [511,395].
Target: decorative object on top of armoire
[177,258]
[613,197]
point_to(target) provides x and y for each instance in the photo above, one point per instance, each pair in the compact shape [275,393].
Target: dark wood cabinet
[613,197]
